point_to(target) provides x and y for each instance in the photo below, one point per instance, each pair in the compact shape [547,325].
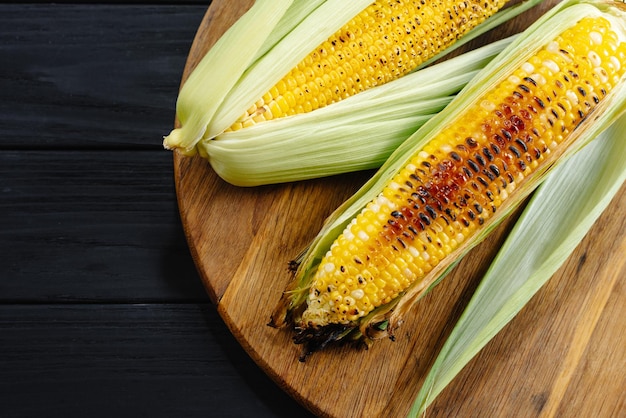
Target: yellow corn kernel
[384,42]
[448,190]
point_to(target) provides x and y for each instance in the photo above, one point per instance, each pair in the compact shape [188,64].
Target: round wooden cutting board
[564,354]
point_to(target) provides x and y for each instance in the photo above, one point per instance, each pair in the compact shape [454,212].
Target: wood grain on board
[562,355]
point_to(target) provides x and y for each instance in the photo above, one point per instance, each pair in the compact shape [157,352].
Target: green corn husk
[235,72]
[517,52]
[551,226]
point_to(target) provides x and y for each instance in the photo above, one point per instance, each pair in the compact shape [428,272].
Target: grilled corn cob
[312,54]
[484,153]
[385,41]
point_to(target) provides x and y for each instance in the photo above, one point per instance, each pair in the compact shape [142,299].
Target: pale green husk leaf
[206,88]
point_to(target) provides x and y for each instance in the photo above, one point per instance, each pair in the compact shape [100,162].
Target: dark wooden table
[102,312]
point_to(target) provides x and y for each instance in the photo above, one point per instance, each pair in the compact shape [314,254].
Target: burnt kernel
[475,186]
[455,156]
[426,164]
[596,100]
[412,229]
[480,220]
[525,114]
[451,214]
[524,88]
[581,91]
[480,159]
[517,122]
[522,165]
[515,151]
[424,218]
[401,242]
[471,214]
[471,142]
[581,114]
[489,195]
[488,154]
[489,174]
[473,165]
[483,181]
[501,142]
[518,95]
[342,269]
[419,224]
[465,222]
[431,211]
[396,214]
[522,144]
[507,134]
[539,102]
[494,169]
[556,115]
[357,260]
[467,172]
[422,192]
[530,80]
[479,209]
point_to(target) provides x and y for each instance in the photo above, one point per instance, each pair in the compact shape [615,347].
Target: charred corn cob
[385,41]
[485,152]
[310,55]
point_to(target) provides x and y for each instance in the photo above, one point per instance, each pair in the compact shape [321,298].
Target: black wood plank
[76,75]
[92,225]
[129,361]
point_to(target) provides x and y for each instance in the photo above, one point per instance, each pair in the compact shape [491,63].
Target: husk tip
[175,141]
